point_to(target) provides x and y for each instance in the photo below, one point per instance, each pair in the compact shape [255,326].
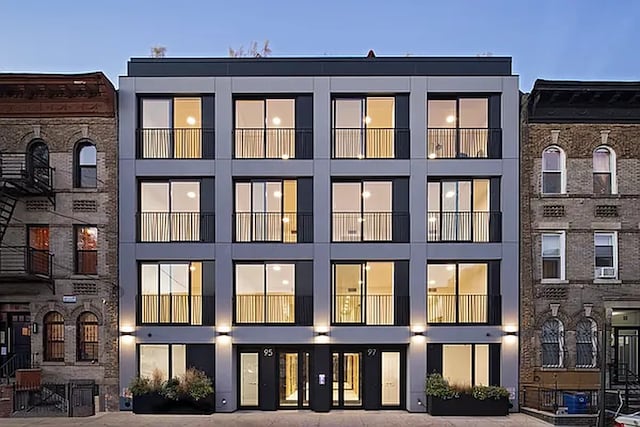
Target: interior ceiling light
[449,267]
[432,219]
[276,121]
[450,194]
[367,120]
[366,194]
[192,267]
[285,220]
[191,195]
[285,282]
[191,120]
[285,156]
[277,194]
[432,282]
[450,119]
[276,267]
[432,155]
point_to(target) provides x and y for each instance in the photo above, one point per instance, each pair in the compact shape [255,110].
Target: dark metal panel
[402,135]
[495,299]
[305,210]
[208,293]
[495,221]
[304,126]
[268,377]
[201,357]
[321,394]
[400,205]
[401,292]
[372,379]
[208,122]
[207,208]
[304,293]
[494,364]
[434,358]
[495,122]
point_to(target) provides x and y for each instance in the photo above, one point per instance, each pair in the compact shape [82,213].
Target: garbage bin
[82,403]
[576,403]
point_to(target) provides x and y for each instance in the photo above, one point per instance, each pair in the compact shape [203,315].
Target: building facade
[293,227]
[580,244]
[58,229]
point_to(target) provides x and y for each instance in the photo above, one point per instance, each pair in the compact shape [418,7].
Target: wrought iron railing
[272,226]
[27,174]
[550,399]
[176,227]
[464,226]
[273,143]
[464,143]
[367,143]
[370,226]
[25,261]
[176,143]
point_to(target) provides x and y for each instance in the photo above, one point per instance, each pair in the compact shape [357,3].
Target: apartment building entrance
[15,335]
[626,331]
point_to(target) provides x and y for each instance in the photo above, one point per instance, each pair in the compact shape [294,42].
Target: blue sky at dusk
[553,39]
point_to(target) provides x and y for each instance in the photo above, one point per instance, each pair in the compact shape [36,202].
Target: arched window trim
[562,171]
[587,337]
[53,336]
[612,167]
[78,167]
[552,340]
[87,337]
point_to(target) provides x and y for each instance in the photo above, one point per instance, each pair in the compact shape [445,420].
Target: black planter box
[466,405]
[154,403]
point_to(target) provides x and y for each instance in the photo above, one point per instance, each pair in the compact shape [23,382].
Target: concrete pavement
[279,419]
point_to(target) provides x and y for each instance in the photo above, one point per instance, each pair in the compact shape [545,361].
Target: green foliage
[192,384]
[171,389]
[139,386]
[437,386]
[195,384]
[482,392]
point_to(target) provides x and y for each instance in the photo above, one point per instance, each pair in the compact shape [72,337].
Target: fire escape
[23,175]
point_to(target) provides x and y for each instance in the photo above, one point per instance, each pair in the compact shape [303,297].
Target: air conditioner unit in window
[605,272]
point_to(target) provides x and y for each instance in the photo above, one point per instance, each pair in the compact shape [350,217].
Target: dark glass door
[347,379]
[293,379]
[20,338]
[627,353]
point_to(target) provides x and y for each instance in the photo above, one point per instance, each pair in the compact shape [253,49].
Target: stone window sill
[554,282]
[607,281]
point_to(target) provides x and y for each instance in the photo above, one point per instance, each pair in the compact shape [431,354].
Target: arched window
[38,162]
[586,343]
[552,344]
[554,179]
[85,170]
[604,171]
[87,339]
[53,337]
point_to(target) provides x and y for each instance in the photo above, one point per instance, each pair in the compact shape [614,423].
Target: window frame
[50,341]
[560,342]
[562,260]
[613,182]
[79,167]
[457,97]
[562,171]
[77,252]
[592,342]
[171,112]
[473,359]
[81,337]
[169,356]
[615,260]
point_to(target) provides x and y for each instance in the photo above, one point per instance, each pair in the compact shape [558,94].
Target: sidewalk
[280,418]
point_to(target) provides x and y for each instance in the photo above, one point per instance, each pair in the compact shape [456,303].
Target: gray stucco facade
[322,252]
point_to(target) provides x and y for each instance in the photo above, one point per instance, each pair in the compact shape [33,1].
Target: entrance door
[20,338]
[293,385]
[347,379]
[390,378]
[249,379]
[626,352]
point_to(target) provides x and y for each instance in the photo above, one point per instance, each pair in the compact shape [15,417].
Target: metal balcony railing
[464,226]
[177,143]
[26,174]
[23,261]
[176,227]
[286,227]
[273,143]
[364,309]
[367,143]
[464,143]
[451,308]
[175,309]
[261,308]
[370,226]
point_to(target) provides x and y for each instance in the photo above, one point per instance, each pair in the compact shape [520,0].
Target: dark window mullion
[457,275]
[265,293]
[363,294]
[457,128]
[264,126]
[473,365]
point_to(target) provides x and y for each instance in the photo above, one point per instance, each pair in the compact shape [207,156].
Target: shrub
[139,386]
[437,386]
[192,384]
[482,392]
[157,380]
[171,389]
[195,384]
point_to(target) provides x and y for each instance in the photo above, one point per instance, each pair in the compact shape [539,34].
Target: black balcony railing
[464,143]
[369,143]
[261,308]
[273,143]
[451,308]
[464,226]
[371,309]
[370,226]
[175,309]
[181,143]
[87,262]
[176,227]
[26,174]
[286,227]
[23,261]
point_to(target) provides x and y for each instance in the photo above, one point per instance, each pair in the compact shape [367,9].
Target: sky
[549,39]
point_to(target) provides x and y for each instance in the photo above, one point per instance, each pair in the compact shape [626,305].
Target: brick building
[58,229]
[580,250]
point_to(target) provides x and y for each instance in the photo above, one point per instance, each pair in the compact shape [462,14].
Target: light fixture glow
[450,119]
[191,120]
[432,219]
[366,194]
[368,267]
[360,219]
[450,194]
[192,267]
[360,156]
[450,267]
[285,282]
[276,267]
[277,194]
[367,119]
[285,220]
[432,282]
[191,195]
[285,156]
[432,155]
[276,121]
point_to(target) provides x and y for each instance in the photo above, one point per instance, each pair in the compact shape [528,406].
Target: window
[87,339]
[553,171]
[38,163]
[171,293]
[457,293]
[552,339]
[466,364]
[265,128]
[586,344]
[364,127]
[606,253]
[86,250]
[266,211]
[604,166]
[553,256]
[362,211]
[166,360]
[171,128]
[459,210]
[265,293]
[170,211]
[38,258]
[53,337]
[363,293]
[85,165]
[458,128]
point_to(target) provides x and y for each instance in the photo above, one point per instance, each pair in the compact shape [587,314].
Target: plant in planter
[192,393]
[445,399]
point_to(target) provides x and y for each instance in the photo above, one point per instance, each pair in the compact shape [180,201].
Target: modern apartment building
[580,247]
[320,232]
[58,236]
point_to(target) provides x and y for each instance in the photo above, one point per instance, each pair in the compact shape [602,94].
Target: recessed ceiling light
[285,282]
[276,267]
[432,155]
[432,282]
[192,267]
[277,194]
[367,120]
[191,195]
[432,219]
[360,156]
[285,220]
[366,194]
[191,120]
[285,156]
[368,267]
[450,119]
[450,194]
[450,267]
[276,121]
[360,219]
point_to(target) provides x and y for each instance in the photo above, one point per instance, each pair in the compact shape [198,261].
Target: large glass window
[265,128]
[459,210]
[363,293]
[164,360]
[466,364]
[172,128]
[553,171]
[171,293]
[170,211]
[458,128]
[86,249]
[266,211]
[364,127]
[606,255]
[553,256]
[552,338]
[53,337]
[362,211]
[265,293]
[457,293]
[604,165]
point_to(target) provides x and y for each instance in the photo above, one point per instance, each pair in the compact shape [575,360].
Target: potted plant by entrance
[192,393]
[445,399]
